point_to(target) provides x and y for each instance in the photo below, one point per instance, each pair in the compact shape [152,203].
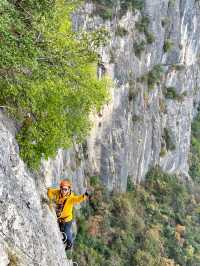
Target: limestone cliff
[148,120]
[29,234]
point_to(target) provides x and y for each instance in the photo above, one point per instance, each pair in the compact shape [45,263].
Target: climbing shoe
[68,245]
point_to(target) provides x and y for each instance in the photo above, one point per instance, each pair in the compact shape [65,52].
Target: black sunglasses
[66,189]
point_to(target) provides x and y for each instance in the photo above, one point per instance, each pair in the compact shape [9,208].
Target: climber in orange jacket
[65,200]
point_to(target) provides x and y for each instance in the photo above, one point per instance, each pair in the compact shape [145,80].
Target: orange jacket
[55,196]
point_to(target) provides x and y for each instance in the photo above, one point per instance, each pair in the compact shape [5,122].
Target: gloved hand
[61,220]
[86,193]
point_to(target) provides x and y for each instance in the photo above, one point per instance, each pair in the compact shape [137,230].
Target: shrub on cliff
[47,76]
[195,151]
[105,8]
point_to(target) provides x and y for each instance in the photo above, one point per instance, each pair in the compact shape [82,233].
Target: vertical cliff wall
[148,125]
[29,234]
[148,120]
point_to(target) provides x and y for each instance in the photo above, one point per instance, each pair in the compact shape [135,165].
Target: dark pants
[66,228]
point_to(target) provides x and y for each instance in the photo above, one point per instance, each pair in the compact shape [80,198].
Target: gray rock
[29,234]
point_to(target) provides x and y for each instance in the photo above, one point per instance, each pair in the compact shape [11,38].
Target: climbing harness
[59,208]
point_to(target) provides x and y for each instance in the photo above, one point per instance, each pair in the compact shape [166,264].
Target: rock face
[29,234]
[148,120]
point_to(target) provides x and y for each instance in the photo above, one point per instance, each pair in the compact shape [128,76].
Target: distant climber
[65,200]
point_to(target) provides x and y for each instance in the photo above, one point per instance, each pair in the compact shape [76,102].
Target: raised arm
[78,199]
[52,194]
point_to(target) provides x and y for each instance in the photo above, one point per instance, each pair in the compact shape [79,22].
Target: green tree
[48,75]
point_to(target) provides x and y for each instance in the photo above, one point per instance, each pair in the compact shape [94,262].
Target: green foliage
[139,227]
[170,145]
[47,76]
[168,45]
[153,76]
[105,8]
[130,4]
[134,4]
[171,93]
[172,3]
[165,22]
[144,258]
[120,31]
[130,185]
[165,188]
[195,151]
[178,67]
[150,37]
[139,48]
[163,152]
[142,25]
[95,180]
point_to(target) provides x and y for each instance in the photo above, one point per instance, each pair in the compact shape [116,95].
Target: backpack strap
[60,207]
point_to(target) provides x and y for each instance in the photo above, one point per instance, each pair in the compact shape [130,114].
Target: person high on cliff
[65,200]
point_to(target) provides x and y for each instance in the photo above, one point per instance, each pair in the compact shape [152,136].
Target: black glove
[61,220]
[86,193]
